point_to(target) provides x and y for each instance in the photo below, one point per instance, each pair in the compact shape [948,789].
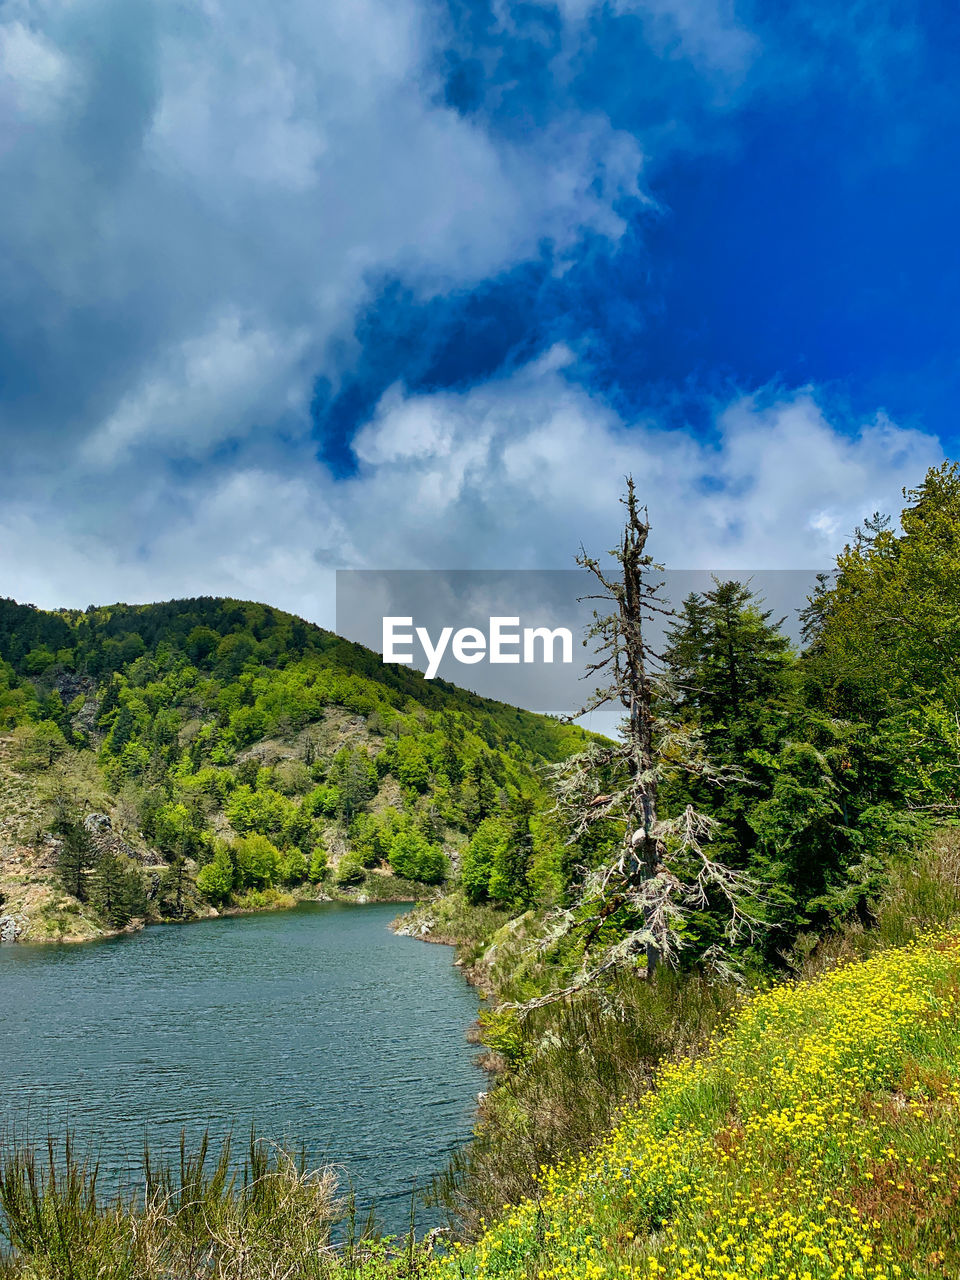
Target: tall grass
[198,1217]
[574,1066]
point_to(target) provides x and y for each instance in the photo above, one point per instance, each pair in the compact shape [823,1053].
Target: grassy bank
[198,1216]
[572,1066]
[818,1138]
[675,1128]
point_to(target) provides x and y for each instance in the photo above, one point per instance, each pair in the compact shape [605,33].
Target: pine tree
[730,676]
[76,856]
[512,859]
[726,658]
[117,890]
[638,900]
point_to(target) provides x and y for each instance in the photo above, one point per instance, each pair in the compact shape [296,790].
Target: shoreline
[284,902]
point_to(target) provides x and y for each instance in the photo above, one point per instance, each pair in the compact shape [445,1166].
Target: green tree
[256,861]
[513,858]
[884,637]
[215,880]
[176,830]
[38,746]
[408,763]
[318,864]
[117,889]
[731,679]
[727,662]
[354,775]
[476,865]
[414,858]
[293,867]
[349,871]
[124,727]
[262,810]
[75,857]
[173,887]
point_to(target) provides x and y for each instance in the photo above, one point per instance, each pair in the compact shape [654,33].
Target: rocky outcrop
[105,840]
[11,927]
[72,687]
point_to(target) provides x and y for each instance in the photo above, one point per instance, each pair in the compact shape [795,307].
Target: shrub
[256,862]
[349,870]
[293,867]
[318,864]
[37,746]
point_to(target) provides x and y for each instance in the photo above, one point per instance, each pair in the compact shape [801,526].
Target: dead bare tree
[662,870]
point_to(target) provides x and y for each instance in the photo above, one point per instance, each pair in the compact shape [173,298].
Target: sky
[396,284]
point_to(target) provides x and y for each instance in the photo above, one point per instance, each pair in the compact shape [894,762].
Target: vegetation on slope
[241,754]
[843,766]
[569,1068]
[818,1138]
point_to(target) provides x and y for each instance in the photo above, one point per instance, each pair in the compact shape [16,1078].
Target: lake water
[318,1025]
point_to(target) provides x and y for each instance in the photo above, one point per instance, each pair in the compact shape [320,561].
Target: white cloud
[706,32]
[270,162]
[197,202]
[517,472]
[214,387]
[513,474]
[34,75]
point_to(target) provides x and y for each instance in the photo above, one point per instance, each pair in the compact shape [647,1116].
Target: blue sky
[407,284]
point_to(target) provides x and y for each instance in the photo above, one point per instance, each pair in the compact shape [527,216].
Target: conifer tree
[637,901]
[76,856]
[117,890]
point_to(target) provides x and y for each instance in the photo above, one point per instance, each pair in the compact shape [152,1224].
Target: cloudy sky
[400,284]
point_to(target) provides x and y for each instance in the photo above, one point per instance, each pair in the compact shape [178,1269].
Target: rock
[11,928]
[104,838]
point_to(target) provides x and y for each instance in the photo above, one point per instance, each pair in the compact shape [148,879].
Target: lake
[318,1025]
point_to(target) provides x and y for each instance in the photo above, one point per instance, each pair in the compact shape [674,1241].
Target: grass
[269,899]
[452,920]
[572,1066]
[570,1069]
[200,1217]
[817,1139]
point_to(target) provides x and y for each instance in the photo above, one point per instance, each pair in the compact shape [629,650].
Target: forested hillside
[165,760]
[160,761]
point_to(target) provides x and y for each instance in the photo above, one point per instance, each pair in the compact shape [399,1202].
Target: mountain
[167,760]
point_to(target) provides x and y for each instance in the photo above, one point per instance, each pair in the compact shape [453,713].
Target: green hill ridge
[162,761]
